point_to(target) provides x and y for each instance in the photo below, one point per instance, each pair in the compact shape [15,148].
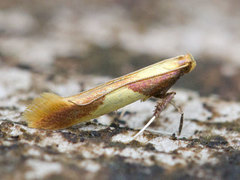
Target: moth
[50,111]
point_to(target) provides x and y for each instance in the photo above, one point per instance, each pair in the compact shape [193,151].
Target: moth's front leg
[165,100]
[161,105]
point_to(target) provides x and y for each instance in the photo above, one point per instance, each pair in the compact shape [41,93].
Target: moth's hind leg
[179,109]
[161,105]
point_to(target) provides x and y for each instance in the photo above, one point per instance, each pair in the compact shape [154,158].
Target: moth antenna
[145,127]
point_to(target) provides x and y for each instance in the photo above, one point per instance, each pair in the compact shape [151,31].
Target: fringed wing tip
[41,109]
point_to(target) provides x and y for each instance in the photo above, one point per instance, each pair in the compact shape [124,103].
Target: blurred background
[65,38]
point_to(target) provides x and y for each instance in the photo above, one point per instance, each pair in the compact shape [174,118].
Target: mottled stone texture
[68,47]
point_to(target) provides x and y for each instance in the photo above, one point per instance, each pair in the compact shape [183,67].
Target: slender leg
[158,109]
[181,118]
[122,114]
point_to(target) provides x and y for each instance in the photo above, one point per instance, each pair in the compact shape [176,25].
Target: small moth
[51,111]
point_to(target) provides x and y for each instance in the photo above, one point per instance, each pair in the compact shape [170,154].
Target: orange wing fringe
[39,113]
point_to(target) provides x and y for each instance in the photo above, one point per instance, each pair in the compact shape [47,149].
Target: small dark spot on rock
[166,120]
[115,125]
[73,138]
[175,152]
[15,137]
[193,142]
[152,158]
[51,77]
[88,123]
[213,141]
[37,139]
[128,113]
[150,147]
[173,137]
[209,118]
[184,139]
[116,144]
[196,132]
[119,121]
[135,144]
[48,133]
[95,121]
[95,134]
[24,67]
[23,123]
[22,130]
[51,150]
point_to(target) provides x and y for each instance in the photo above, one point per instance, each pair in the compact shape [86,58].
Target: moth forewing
[155,70]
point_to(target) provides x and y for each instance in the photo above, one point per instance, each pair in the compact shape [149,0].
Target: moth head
[186,61]
[192,62]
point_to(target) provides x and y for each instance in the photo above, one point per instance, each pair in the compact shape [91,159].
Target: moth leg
[117,120]
[122,114]
[179,109]
[161,105]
